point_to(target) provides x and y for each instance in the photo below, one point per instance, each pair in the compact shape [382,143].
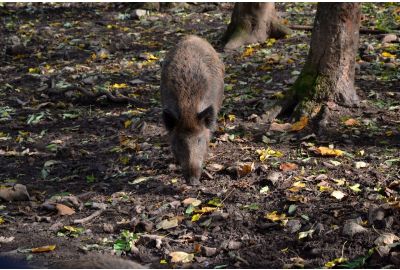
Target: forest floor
[269,196]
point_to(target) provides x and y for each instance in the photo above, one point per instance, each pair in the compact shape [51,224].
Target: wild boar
[192,90]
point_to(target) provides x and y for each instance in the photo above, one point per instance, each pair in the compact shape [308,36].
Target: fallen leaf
[334,262]
[43,249]
[274,216]
[386,239]
[300,124]
[338,194]
[351,122]
[245,168]
[306,234]
[267,153]
[326,151]
[288,166]
[351,228]
[196,217]
[206,209]
[191,201]
[181,257]
[64,210]
[388,55]
[280,127]
[168,223]
[360,164]
[355,188]
[297,186]
[119,85]
[264,190]
[215,167]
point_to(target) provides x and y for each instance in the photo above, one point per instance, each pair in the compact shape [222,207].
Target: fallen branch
[101,92]
[362,29]
[89,218]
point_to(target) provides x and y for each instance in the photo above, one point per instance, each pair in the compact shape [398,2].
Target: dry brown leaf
[351,122]
[245,168]
[181,257]
[300,124]
[64,210]
[326,151]
[43,249]
[288,166]
[192,201]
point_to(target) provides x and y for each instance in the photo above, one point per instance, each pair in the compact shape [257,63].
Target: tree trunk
[253,23]
[328,74]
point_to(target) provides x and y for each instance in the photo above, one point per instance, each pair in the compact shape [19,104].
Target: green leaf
[292,209]
[190,209]
[215,202]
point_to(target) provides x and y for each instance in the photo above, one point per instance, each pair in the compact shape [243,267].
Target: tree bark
[253,23]
[328,74]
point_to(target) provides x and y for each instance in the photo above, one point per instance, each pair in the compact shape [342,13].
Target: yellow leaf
[336,261]
[274,216]
[297,186]
[326,151]
[119,85]
[266,153]
[270,42]
[196,217]
[163,262]
[150,56]
[300,124]
[278,95]
[34,70]
[206,209]
[1,220]
[248,52]
[127,123]
[181,257]
[324,186]
[43,249]
[339,182]
[388,55]
[231,117]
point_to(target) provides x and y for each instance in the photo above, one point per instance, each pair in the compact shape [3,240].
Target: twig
[89,218]
[101,92]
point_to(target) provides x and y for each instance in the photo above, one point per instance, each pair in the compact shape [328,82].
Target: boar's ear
[169,119]
[207,117]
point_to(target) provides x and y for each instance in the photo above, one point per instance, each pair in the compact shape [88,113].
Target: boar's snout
[193,174]
[190,151]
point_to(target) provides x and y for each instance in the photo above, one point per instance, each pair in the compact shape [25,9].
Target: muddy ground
[89,153]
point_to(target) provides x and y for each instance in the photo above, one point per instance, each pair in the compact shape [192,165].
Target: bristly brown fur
[189,70]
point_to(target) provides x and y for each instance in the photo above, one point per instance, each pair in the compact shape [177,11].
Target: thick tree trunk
[328,74]
[253,23]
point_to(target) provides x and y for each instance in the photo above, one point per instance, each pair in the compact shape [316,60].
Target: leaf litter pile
[85,165]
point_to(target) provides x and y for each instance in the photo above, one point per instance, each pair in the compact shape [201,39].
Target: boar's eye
[207,116]
[169,119]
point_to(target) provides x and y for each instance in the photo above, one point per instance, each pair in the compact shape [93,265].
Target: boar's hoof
[193,181]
